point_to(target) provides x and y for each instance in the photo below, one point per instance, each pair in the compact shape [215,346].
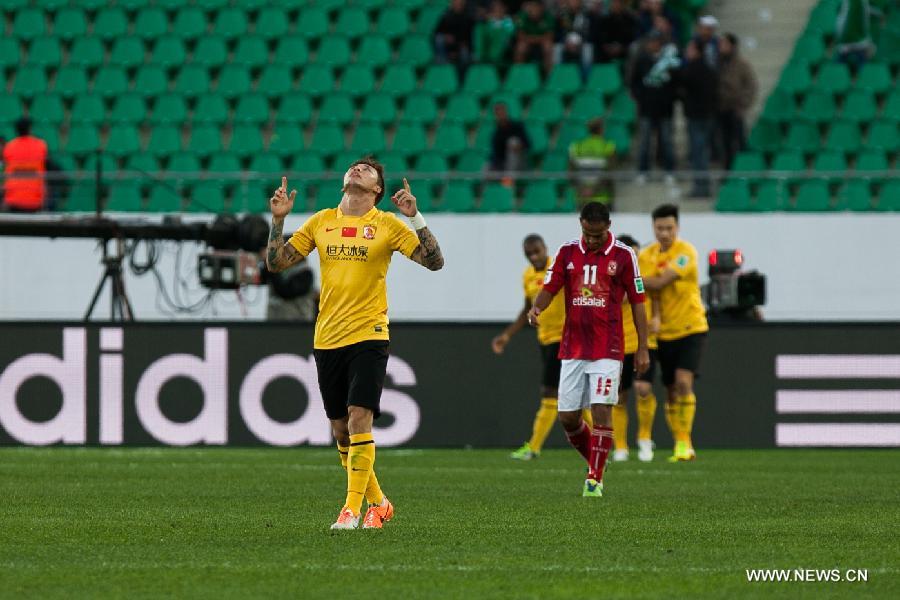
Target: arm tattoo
[428,254]
[280,254]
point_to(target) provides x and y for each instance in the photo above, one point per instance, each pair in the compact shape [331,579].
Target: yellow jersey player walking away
[355,243]
[674,280]
[643,383]
[549,333]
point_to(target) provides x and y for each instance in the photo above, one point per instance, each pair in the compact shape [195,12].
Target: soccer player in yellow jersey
[355,243]
[549,333]
[674,279]
[643,383]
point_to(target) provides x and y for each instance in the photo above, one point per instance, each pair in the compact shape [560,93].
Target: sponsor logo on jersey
[611,268]
[639,285]
[683,260]
[369,232]
[570,267]
[590,300]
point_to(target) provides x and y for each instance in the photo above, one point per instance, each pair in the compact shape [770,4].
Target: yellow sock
[543,423]
[687,408]
[646,411]
[587,418]
[360,463]
[374,495]
[620,426]
[673,418]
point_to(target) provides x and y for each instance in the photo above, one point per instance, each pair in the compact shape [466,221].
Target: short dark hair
[665,210]
[731,37]
[629,241]
[533,238]
[595,212]
[370,160]
[23,126]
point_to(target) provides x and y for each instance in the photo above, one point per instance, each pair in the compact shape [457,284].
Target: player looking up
[596,272]
[355,243]
[673,277]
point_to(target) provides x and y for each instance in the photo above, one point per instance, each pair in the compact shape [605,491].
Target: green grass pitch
[243,523]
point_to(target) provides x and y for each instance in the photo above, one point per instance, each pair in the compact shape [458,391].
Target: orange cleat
[346,520]
[378,515]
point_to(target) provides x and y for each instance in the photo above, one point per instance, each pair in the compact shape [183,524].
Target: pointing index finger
[406,186]
[284,184]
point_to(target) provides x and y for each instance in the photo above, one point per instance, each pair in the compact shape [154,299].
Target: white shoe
[640,179]
[620,455]
[346,520]
[645,450]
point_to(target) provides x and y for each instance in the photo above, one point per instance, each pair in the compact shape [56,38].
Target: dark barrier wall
[246,384]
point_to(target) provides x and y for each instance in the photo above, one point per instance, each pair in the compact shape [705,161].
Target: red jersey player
[596,272]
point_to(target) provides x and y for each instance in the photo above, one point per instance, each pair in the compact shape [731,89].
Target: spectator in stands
[614,32]
[24,165]
[653,89]
[534,30]
[573,29]
[510,143]
[738,88]
[453,35]
[589,159]
[493,37]
[654,14]
[698,84]
[707,39]
[854,43]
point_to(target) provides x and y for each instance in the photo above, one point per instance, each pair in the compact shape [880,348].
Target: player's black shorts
[352,376]
[684,353]
[551,365]
[628,377]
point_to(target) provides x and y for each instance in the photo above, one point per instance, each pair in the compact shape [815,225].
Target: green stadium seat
[889,197]
[859,106]
[537,135]
[337,108]
[545,107]
[803,137]
[772,195]
[122,141]
[396,166]
[564,79]
[428,19]
[874,77]
[234,81]
[287,140]
[409,139]
[246,141]
[415,50]
[795,78]
[164,198]
[333,50]
[227,163]
[327,139]
[822,18]
[230,23]
[358,80]
[291,51]
[127,52]
[88,109]
[46,108]
[252,109]
[458,196]
[151,81]
[164,140]
[328,194]
[82,139]
[619,134]
[307,163]
[788,162]
[270,166]
[91,6]
[368,139]
[70,23]
[30,81]
[70,82]
[10,108]
[809,48]
[586,106]
[150,23]
[48,5]
[481,81]
[141,161]
[556,162]
[891,109]
[440,80]
[86,53]
[253,196]
[45,52]
[871,160]
[129,108]
[29,24]
[883,135]
[513,104]
[317,80]
[110,82]
[496,198]
[748,161]
[818,106]
[484,134]
[169,109]
[210,52]
[211,109]
[352,23]
[734,196]
[271,23]
[570,131]
[193,80]
[812,196]
[204,140]
[207,197]
[854,195]
[539,197]
[124,196]
[379,108]
[604,79]
[472,161]
[399,80]
[110,23]
[434,168]
[766,136]
[190,23]
[410,4]
[275,81]
[834,77]
[251,52]
[295,107]
[210,6]
[780,106]
[183,162]
[464,109]
[844,136]
[522,79]
[10,54]
[374,51]
[393,22]
[623,108]
[449,139]
[50,134]
[312,23]
[830,161]
[132,6]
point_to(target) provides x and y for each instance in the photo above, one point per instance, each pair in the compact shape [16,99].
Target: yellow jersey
[680,306]
[354,255]
[631,337]
[550,324]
